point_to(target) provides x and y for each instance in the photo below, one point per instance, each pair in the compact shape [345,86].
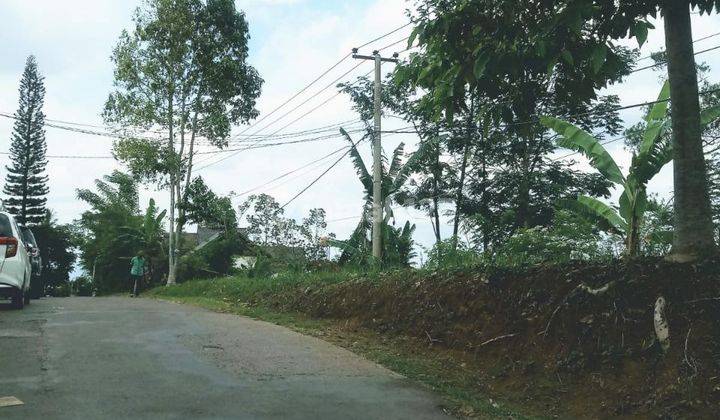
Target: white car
[15,264]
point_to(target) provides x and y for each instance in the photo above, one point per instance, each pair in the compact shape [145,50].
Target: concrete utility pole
[377,152]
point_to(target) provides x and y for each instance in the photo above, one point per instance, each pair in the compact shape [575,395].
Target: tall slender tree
[184,70]
[26,183]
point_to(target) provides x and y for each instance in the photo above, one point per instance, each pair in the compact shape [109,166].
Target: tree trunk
[171,235]
[436,193]
[693,235]
[632,242]
[463,167]
[523,207]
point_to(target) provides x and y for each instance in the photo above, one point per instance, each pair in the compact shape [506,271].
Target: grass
[446,373]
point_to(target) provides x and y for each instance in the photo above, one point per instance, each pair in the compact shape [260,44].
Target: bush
[192,266]
[83,286]
[213,260]
[569,238]
[60,290]
[452,253]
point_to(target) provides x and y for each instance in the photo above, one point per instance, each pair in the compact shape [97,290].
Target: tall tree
[25,183]
[183,70]
[694,233]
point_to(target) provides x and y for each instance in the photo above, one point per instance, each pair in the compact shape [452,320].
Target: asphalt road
[122,358]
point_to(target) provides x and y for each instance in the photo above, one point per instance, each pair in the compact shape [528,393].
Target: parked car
[15,266]
[36,286]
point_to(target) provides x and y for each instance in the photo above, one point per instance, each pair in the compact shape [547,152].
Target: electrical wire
[300,92]
[385,36]
[694,42]
[286,174]
[282,128]
[322,174]
[323,74]
[663,62]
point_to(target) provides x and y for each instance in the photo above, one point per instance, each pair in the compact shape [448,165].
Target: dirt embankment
[576,340]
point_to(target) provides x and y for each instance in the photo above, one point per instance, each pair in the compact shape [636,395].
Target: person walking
[137,272]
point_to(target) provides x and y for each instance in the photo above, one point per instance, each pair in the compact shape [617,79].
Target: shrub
[569,238]
[83,286]
[452,253]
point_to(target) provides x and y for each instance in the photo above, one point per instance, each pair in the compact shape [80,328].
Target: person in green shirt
[137,271]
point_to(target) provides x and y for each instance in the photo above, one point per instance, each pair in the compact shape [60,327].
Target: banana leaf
[597,208]
[575,138]
[360,168]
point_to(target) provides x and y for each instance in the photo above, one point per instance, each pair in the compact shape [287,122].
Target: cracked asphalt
[122,358]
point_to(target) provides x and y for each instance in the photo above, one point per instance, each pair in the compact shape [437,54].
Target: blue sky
[292,41]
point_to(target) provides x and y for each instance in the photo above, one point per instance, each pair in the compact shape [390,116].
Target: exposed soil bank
[576,340]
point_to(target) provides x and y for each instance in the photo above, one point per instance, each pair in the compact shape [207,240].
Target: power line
[342,219]
[322,174]
[71,156]
[282,128]
[694,42]
[328,86]
[663,62]
[385,36]
[286,174]
[265,145]
[300,92]
[323,74]
[312,97]
[401,130]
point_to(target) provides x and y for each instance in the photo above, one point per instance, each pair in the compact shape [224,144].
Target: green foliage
[397,242]
[497,46]
[146,234]
[56,243]
[82,286]
[284,238]
[214,259]
[113,230]
[653,154]
[203,207]
[60,290]
[570,238]
[184,70]
[25,182]
[452,253]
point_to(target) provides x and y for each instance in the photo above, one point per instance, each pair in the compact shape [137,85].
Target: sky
[292,42]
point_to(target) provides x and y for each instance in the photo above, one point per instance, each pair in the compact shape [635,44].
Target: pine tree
[25,183]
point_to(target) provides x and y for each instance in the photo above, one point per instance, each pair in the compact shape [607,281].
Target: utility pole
[377,151]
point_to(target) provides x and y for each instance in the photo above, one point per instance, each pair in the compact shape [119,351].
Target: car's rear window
[5,227]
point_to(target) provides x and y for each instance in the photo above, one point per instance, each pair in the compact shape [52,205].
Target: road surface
[122,358]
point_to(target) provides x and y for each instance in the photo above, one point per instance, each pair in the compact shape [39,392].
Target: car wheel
[18,299]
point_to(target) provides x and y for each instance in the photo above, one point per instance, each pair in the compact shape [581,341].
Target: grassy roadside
[448,373]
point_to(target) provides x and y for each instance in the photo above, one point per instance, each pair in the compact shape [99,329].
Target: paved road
[121,358]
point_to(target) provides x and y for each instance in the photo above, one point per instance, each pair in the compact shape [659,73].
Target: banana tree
[394,176]
[146,233]
[653,154]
